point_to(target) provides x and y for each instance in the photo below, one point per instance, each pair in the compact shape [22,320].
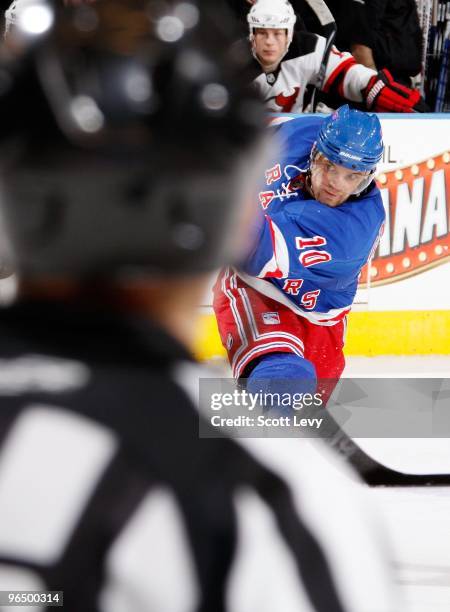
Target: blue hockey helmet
[352,139]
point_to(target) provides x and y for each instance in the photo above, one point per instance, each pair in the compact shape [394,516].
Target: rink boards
[403,302]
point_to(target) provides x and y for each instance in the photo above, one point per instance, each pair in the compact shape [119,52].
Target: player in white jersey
[286,62]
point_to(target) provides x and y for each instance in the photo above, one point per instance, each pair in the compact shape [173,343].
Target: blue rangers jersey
[309,255]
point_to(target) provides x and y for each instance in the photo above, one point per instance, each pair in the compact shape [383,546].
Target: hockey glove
[384,95]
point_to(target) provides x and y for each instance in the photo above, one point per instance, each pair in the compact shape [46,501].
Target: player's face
[332,184]
[270,45]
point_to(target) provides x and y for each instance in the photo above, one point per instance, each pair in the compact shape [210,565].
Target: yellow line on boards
[413,332]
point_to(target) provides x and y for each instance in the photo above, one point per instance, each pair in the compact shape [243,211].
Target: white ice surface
[430,366]
[418,524]
[417,518]
[420,455]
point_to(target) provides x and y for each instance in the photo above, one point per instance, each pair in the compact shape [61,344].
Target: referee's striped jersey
[108,494]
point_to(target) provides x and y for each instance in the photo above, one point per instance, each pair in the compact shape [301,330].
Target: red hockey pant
[252,325]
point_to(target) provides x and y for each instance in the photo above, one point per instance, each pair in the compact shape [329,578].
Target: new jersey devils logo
[286,101]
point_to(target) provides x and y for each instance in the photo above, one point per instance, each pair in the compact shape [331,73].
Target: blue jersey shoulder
[296,138]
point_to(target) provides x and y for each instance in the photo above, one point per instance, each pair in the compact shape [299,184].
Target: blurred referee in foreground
[129,147]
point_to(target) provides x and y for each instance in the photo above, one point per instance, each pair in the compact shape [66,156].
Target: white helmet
[277,14]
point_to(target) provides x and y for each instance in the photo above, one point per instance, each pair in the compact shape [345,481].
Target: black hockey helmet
[129,137]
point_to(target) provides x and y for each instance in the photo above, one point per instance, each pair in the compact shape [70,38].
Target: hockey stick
[328,24]
[371,471]
[375,473]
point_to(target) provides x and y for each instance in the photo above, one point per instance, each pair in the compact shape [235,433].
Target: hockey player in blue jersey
[282,313]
